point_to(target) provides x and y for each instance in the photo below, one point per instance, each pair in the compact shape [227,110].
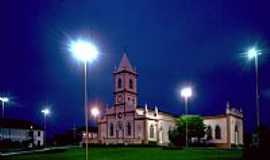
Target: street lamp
[95,112]
[45,112]
[186,93]
[83,50]
[4,100]
[253,53]
[87,53]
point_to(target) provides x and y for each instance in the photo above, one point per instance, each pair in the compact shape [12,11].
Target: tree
[196,129]
[176,138]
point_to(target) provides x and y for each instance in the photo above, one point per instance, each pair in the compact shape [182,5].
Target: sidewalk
[36,150]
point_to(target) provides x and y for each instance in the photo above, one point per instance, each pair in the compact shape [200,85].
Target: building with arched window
[126,121]
[217,132]
[227,129]
[111,129]
[128,129]
[209,133]
[152,130]
[130,123]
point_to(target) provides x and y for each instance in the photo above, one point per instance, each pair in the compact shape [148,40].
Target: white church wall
[164,127]
[139,112]
[152,124]
[103,131]
[222,123]
[111,121]
[236,137]
[128,119]
[38,137]
[139,125]
[166,122]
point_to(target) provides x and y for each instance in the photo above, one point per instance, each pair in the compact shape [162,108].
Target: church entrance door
[120,132]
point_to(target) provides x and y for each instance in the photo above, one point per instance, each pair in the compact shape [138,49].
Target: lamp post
[45,113]
[253,53]
[186,93]
[4,100]
[87,53]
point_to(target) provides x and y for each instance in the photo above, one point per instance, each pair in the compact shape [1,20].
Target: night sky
[170,43]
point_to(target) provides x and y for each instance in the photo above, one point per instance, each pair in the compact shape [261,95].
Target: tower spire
[125,64]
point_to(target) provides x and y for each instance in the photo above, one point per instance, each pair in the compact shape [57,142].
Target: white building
[225,130]
[127,122]
[21,131]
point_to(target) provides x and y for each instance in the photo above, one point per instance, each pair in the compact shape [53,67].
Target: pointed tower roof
[125,64]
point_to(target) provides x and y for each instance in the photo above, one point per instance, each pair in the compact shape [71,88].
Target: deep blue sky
[169,42]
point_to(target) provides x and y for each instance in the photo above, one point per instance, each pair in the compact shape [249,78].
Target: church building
[126,122]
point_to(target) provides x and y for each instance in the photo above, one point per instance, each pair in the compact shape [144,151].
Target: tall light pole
[87,53]
[253,53]
[186,93]
[4,100]
[45,113]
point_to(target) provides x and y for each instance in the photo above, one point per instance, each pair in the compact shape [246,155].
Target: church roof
[125,64]
[152,109]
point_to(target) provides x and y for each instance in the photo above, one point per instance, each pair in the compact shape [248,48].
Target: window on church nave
[236,134]
[111,129]
[152,131]
[218,132]
[209,133]
[130,83]
[236,128]
[119,83]
[128,129]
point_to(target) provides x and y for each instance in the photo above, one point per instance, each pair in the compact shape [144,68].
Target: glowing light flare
[4,99]
[95,111]
[45,111]
[186,92]
[252,53]
[83,50]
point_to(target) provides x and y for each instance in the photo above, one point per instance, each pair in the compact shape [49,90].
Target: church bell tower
[125,87]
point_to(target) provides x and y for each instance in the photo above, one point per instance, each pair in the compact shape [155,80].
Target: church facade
[126,122]
[225,130]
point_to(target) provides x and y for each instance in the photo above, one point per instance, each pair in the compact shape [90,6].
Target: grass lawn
[135,153]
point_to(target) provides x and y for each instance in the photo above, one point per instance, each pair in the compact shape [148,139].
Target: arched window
[209,135]
[236,128]
[218,132]
[236,135]
[152,131]
[128,129]
[119,83]
[111,129]
[130,83]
